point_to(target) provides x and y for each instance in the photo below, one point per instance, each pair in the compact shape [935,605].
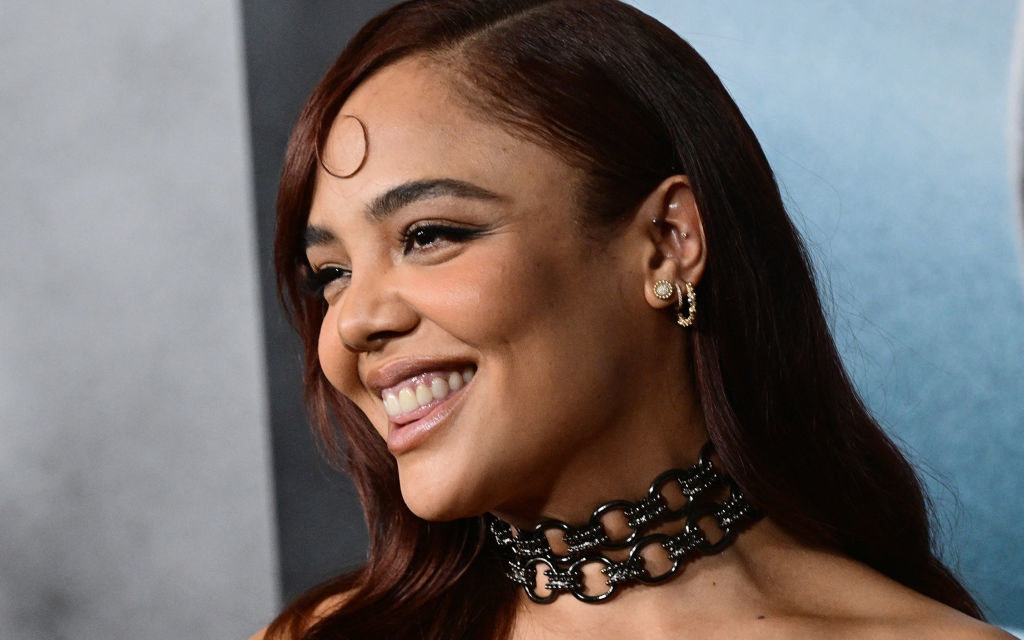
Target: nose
[372,312]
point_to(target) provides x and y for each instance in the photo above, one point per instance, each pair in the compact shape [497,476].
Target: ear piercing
[691,303]
[663,290]
[682,233]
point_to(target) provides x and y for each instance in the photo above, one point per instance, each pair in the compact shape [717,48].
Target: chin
[436,512]
[439,499]
[433,509]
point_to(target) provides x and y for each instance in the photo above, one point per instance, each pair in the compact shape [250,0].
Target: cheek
[340,367]
[516,307]
[470,301]
[338,363]
[485,302]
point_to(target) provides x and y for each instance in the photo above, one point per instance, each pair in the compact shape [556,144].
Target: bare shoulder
[978,631]
[943,623]
[881,627]
[933,620]
[912,615]
[326,607]
[817,593]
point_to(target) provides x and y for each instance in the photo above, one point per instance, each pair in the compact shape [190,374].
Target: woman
[538,258]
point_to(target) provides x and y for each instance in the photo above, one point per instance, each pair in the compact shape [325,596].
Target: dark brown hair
[617,93]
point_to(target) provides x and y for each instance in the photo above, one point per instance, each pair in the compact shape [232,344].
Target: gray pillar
[289,46]
[134,473]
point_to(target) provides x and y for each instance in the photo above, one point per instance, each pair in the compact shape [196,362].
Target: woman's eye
[429,235]
[323,282]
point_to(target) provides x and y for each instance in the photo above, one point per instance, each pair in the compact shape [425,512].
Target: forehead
[417,127]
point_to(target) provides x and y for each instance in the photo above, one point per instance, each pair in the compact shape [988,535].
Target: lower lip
[404,437]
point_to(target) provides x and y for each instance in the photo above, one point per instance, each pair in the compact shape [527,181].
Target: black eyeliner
[452,233]
[315,281]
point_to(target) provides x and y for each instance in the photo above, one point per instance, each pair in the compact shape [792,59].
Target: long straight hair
[615,92]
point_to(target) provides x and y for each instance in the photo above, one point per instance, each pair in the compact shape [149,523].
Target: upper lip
[393,372]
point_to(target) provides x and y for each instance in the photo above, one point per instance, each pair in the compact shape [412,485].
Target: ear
[676,250]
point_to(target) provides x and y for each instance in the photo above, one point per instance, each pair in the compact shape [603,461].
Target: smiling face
[488,341]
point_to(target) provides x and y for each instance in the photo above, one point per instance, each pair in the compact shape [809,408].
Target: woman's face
[489,342]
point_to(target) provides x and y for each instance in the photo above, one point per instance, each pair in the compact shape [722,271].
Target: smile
[414,397]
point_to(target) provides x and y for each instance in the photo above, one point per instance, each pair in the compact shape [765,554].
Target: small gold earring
[691,303]
[663,289]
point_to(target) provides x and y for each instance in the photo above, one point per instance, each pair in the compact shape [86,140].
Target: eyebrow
[409,192]
[315,236]
[403,195]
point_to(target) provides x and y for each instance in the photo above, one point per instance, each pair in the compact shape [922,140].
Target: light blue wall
[887,124]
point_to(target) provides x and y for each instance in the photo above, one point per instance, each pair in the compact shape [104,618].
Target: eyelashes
[316,282]
[419,238]
[430,235]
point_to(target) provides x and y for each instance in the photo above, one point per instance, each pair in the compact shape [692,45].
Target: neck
[612,464]
[654,425]
[686,513]
[713,594]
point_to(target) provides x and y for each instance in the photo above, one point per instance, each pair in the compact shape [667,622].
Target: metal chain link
[526,551]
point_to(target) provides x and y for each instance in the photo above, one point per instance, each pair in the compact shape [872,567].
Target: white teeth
[391,405]
[423,395]
[439,388]
[407,399]
[410,398]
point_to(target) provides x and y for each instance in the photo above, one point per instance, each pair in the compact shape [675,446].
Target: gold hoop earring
[691,303]
[663,290]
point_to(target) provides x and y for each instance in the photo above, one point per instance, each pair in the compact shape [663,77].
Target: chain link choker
[526,551]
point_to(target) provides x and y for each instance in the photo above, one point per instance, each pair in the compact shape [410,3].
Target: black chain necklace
[525,551]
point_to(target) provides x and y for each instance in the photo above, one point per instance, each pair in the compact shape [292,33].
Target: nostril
[382,336]
[371,313]
[373,329]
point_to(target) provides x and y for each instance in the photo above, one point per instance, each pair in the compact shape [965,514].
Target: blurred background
[156,475]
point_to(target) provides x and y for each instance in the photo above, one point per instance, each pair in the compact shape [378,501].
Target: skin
[576,400]
[525,301]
